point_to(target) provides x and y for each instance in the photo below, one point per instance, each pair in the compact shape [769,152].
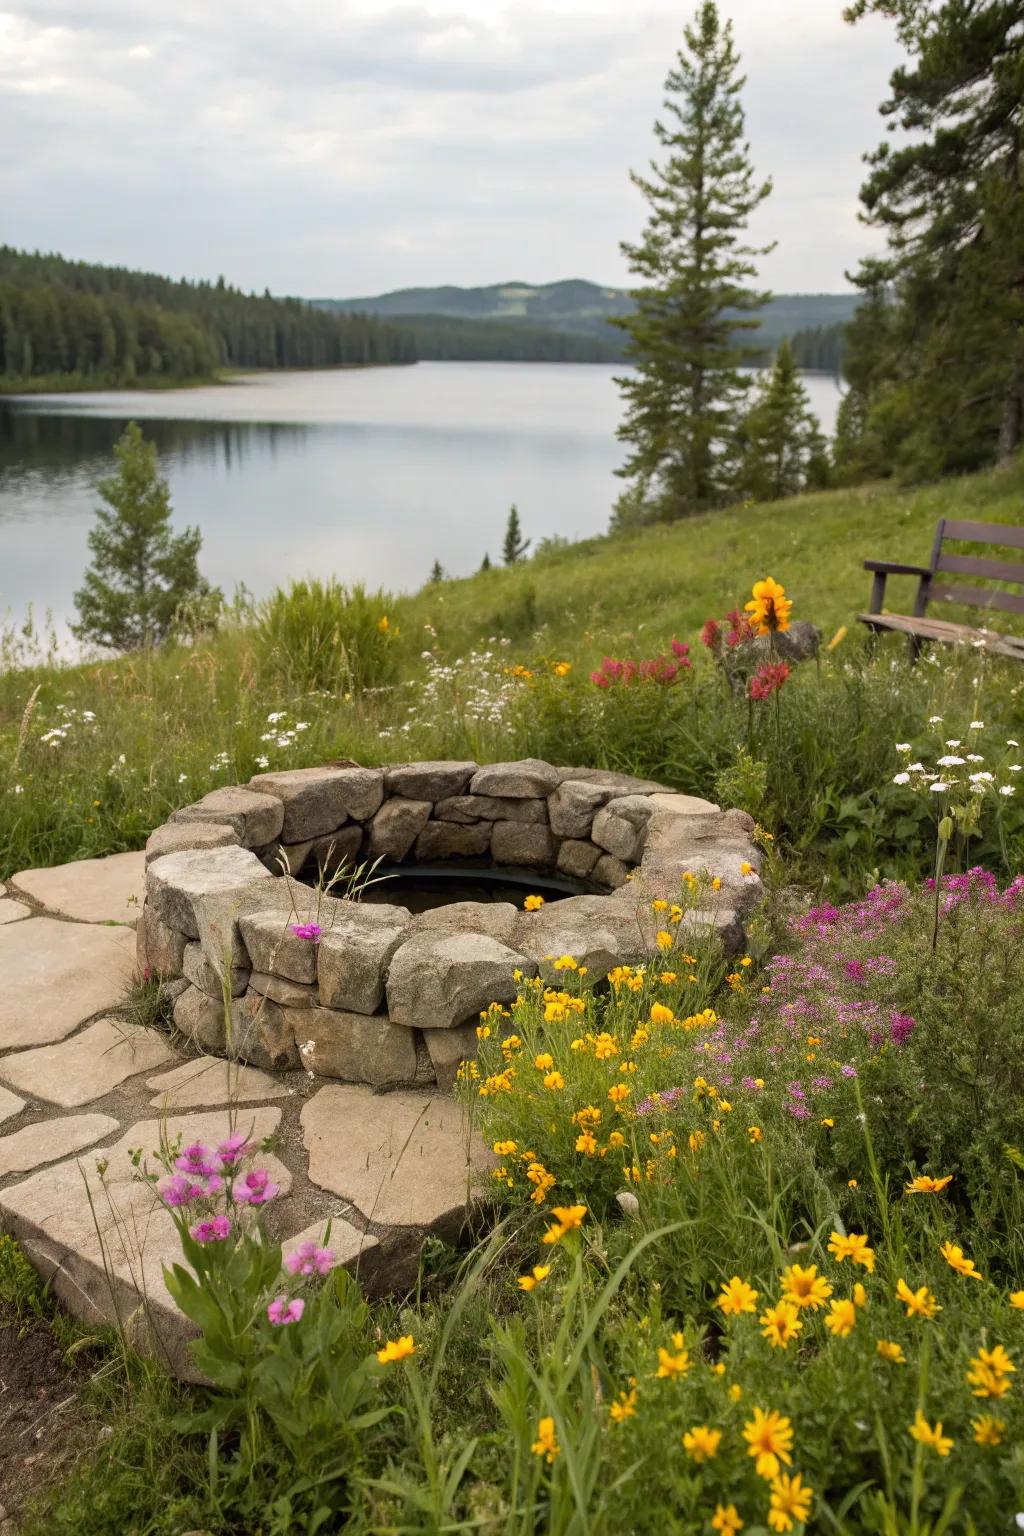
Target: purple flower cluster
[200,1172]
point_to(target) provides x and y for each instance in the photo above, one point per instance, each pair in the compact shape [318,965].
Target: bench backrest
[1005,534]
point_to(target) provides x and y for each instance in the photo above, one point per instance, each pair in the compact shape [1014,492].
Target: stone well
[383,996]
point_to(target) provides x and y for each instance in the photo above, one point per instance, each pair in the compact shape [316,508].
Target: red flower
[768,679]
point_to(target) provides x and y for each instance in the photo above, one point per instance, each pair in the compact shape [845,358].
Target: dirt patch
[41,1426]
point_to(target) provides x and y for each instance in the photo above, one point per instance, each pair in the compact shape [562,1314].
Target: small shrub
[322,635]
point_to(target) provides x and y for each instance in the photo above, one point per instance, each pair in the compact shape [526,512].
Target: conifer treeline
[76,322]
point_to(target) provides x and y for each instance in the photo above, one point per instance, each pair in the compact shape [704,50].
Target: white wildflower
[982,778]
[904,746]
[1008,789]
[901,778]
[278,714]
[934,719]
[939,787]
[954,741]
[950,761]
[976,725]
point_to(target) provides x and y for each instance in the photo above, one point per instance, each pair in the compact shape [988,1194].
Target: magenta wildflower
[176,1190]
[255,1188]
[901,1027]
[233,1149]
[848,1071]
[197,1160]
[308,1259]
[281,1311]
[310,931]
[213,1231]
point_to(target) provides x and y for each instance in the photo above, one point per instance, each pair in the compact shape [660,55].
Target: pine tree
[695,294]
[947,384]
[141,571]
[437,571]
[485,563]
[515,546]
[783,450]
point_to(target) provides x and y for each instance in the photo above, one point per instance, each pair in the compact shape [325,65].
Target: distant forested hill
[512,319]
[74,324]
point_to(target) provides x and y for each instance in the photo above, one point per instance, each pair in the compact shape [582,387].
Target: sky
[335,148]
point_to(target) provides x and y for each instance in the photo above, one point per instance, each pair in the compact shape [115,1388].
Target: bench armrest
[884,568]
[893,568]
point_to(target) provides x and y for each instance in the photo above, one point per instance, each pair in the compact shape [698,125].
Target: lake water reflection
[365,475]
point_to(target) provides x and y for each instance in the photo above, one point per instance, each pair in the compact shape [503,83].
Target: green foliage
[695,298]
[72,324]
[936,356]
[321,635]
[142,573]
[782,449]
[515,546]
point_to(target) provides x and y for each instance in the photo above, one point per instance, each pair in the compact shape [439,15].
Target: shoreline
[54,384]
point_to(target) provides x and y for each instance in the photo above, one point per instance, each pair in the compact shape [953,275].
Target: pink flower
[214,1231]
[310,931]
[600,679]
[282,1311]
[176,1190]
[233,1149]
[255,1188]
[680,649]
[307,1258]
[197,1160]
[768,679]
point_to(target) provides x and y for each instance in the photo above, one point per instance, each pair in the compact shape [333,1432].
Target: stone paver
[12,911]
[89,1066]
[103,1257]
[56,975]
[107,890]
[212,1080]
[50,1139]
[402,1159]
[10,1105]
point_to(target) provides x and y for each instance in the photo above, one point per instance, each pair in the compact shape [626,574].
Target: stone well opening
[387,989]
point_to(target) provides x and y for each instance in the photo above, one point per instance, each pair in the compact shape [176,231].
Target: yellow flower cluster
[769,608]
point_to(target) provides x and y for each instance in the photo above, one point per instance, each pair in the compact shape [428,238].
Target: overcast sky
[345,147]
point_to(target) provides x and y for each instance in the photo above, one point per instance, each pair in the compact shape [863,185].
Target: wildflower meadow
[749,1252]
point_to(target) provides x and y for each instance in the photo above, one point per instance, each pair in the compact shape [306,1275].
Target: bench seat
[946,633]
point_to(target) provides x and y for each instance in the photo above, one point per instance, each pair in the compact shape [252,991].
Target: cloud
[337,148]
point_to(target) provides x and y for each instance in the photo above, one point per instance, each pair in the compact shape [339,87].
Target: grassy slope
[660,581]
[164,729]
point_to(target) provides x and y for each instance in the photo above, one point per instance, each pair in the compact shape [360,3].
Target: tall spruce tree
[695,293]
[141,572]
[937,370]
[782,447]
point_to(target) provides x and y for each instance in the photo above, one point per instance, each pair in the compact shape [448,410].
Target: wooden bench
[919,628]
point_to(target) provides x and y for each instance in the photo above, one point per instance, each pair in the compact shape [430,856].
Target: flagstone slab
[103,1251]
[213,1080]
[49,1140]
[402,1159]
[10,1105]
[12,911]
[109,890]
[89,1066]
[56,975]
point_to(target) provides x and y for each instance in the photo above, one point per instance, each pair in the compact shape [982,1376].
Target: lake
[366,475]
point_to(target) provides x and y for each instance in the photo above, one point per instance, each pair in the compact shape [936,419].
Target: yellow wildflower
[919,1303]
[924,1185]
[755,1133]
[927,1434]
[624,1406]
[769,1438]
[891,1352]
[546,1443]
[672,1365]
[780,1324]
[562,668]
[853,1246]
[988,1430]
[790,1502]
[586,1143]
[662,1015]
[957,1259]
[1017,1300]
[664,939]
[725,1520]
[504,1148]
[531,1281]
[554,1081]
[736,1296]
[988,1372]
[770,608]
[701,1442]
[397,1349]
[618,1091]
[842,1318]
[567,1219]
[804,1287]
[533,903]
